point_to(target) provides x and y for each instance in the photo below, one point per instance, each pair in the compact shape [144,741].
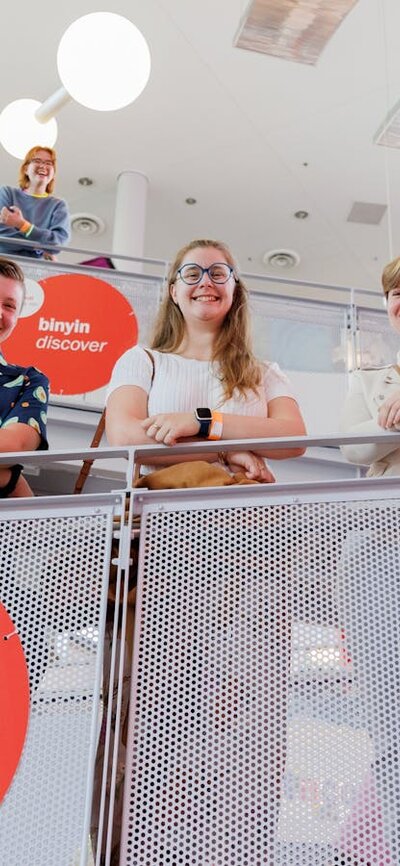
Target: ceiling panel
[233,129]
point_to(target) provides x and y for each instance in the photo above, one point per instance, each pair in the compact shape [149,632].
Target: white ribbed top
[182,384]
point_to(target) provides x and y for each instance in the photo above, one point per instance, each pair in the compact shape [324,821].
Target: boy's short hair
[11,271]
[391,276]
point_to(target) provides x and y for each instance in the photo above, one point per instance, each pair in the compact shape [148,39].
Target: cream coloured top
[368,390]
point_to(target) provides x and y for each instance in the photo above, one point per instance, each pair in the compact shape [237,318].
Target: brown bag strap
[136,472]
[151,356]
[87,464]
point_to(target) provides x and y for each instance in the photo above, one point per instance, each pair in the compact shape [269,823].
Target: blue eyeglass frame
[204,271]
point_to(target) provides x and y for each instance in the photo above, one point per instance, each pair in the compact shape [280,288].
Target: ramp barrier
[55,566]
[264,717]
[264,722]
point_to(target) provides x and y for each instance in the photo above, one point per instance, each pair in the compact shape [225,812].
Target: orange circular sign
[81,328]
[14,701]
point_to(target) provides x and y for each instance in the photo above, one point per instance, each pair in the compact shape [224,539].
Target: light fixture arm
[52,105]
[94,80]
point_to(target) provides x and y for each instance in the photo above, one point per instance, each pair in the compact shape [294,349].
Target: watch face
[204,414]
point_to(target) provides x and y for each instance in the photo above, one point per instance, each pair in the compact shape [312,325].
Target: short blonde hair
[23,179]
[11,271]
[391,276]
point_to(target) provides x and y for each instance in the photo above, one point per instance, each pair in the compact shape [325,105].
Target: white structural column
[130,219]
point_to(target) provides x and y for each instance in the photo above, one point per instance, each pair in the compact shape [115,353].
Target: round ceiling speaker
[281,259]
[87,224]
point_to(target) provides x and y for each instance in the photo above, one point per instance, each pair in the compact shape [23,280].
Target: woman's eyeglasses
[45,162]
[191,274]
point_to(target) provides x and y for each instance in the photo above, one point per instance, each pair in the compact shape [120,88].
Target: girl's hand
[21,488]
[5,476]
[253,466]
[389,412]
[168,428]
[12,216]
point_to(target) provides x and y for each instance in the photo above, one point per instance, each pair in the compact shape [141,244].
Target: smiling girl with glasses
[207,383]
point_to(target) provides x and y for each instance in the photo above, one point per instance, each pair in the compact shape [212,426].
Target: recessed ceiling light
[190,200]
[301,214]
[85,181]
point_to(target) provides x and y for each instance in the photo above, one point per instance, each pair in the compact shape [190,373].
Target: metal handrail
[144,453]
[164,263]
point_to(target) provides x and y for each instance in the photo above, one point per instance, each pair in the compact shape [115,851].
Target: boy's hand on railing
[389,412]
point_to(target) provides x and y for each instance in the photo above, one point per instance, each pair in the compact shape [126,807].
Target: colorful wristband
[31,227]
[25,226]
[216,426]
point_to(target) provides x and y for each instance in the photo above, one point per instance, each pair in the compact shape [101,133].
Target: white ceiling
[233,129]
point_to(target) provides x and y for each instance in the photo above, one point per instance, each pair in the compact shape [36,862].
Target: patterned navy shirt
[24,394]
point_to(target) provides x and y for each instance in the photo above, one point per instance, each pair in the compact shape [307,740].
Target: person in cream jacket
[368,601]
[373,402]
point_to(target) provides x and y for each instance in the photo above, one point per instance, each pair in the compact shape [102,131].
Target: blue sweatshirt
[49,216]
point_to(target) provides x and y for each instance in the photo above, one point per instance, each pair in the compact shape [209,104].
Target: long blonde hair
[240,370]
[23,179]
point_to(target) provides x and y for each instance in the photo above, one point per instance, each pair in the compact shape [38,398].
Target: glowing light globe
[20,130]
[103,61]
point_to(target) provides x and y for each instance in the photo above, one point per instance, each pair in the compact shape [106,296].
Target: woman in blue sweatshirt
[30,211]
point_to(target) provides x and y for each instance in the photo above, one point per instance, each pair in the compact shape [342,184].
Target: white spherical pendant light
[20,130]
[103,61]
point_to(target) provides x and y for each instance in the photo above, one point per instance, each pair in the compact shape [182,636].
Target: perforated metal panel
[54,575]
[265,703]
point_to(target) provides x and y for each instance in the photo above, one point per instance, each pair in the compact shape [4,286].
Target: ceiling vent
[366,212]
[281,259]
[87,224]
[293,29]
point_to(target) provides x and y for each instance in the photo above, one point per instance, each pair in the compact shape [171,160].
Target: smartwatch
[204,417]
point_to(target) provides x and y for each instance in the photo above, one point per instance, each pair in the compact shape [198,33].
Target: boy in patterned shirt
[24,391]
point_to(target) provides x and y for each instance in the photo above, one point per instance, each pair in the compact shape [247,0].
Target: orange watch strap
[216,426]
